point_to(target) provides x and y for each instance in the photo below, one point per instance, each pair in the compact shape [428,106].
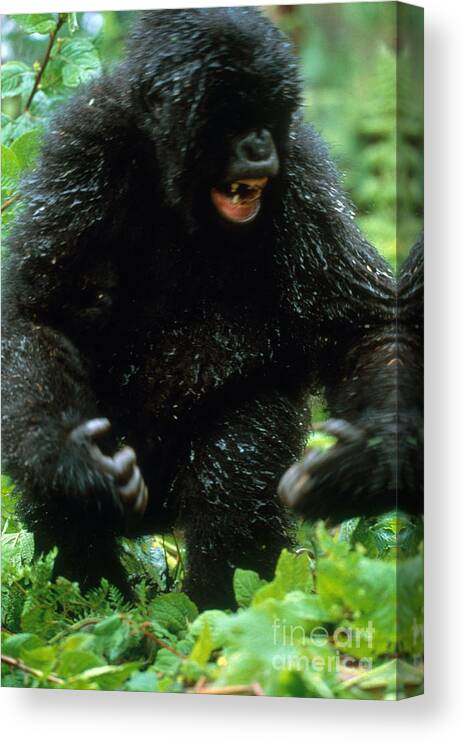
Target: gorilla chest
[166,362]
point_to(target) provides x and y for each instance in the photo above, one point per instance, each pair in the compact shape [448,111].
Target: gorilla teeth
[245,191]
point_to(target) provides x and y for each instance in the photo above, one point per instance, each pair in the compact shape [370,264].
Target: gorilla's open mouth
[239,201]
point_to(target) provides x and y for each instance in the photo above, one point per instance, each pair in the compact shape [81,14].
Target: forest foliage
[342,618]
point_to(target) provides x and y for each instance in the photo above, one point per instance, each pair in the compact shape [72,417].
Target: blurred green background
[362,64]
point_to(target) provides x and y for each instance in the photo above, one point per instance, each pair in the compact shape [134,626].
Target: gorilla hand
[333,482]
[120,472]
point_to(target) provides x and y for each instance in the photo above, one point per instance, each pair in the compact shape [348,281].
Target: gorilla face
[220,90]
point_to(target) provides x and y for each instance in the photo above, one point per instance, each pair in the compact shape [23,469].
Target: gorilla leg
[85,555]
[230,509]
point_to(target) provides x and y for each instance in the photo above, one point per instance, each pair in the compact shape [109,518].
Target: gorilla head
[216,90]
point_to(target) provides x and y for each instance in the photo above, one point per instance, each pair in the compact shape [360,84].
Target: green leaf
[81,59]
[75,662]
[72,21]
[108,626]
[42,658]
[174,611]
[17,78]
[26,148]
[15,645]
[246,583]
[292,573]
[204,645]
[106,677]
[11,168]
[77,642]
[142,681]
[365,590]
[6,121]
[112,637]
[12,130]
[391,677]
[41,23]
[218,626]
[167,662]
[259,647]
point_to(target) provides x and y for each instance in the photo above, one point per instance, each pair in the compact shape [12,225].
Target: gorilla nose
[256,146]
[255,153]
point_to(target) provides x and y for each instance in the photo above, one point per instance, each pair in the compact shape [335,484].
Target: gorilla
[185,271]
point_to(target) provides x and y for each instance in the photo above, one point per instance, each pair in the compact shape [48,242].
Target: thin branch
[52,37]
[158,641]
[89,621]
[9,202]
[18,665]
[254,689]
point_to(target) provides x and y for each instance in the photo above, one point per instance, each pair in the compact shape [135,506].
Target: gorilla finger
[91,429]
[124,461]
[105,463]
[298,482]
[293,485]
[323,463]
[132,489]
[142,501]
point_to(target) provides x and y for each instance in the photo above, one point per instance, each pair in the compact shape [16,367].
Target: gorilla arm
[373,395]
[365,365]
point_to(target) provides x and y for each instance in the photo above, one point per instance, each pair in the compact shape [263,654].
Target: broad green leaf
[26,148]
[204,645]
[13,129]
[72,75]
[15,645]
[41,23]
[11,167]
[42,658]
[365,590]
[297,609]
[75,662]
[258,647]
[173,611]
[108,626]
[246,583]
[17,78]
[81,59]
[167,662]
[218,626]
[292,573]
[112,637]
[77,642]
[142,682]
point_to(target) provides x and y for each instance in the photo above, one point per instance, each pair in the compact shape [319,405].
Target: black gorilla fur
[127,296]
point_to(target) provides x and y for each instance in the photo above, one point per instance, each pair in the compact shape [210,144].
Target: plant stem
[9,202]
[52,37]
[19,665]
